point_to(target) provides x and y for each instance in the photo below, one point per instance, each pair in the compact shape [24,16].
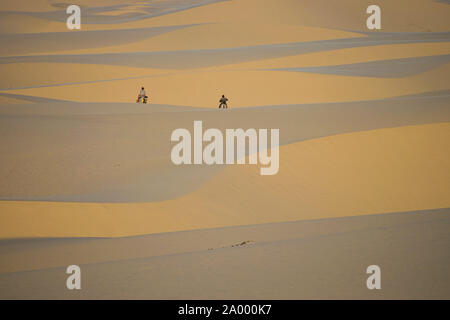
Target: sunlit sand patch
[350,173]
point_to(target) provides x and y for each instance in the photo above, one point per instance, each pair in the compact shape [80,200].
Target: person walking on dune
[142,95]
[223,102]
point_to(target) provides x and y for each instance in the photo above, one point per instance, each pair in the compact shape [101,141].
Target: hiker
[142,95]
[223,102]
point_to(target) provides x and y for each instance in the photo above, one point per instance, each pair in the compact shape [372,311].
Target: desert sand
[86,175]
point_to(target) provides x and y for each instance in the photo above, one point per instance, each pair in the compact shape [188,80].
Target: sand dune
[20,98]
[224,35]
[86,175]
[188,59]
[12,23]
[95,14]
[23,254]
[202,89]
[397,68]
[24,5]
[401,16]
[398,16]
[47,16]
[101,142]
[315,181]
[296,260]
[48,74]
[8,100]
[350,56]
[67,41]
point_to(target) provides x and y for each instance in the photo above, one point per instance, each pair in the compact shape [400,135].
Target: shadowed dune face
[364,120]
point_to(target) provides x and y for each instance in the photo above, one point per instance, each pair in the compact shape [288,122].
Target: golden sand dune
[22,75]
[245,88]
[17,23]
[401,16]
[226,35]
[27,6]
[51,42]
[397,16]
[51,253]
[349,55]
[10,100]
[335,176]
